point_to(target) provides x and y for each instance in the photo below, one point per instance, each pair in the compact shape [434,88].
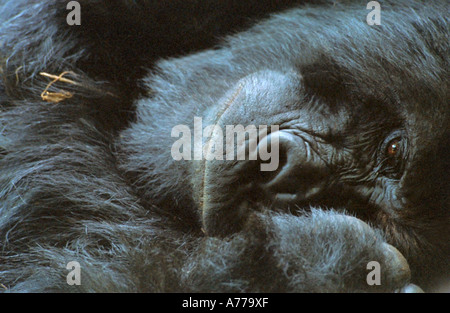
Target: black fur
[91,179]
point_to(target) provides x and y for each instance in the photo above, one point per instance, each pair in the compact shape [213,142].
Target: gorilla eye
[392,156]
[393,148]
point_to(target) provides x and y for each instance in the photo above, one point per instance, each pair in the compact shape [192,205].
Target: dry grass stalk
[56,97]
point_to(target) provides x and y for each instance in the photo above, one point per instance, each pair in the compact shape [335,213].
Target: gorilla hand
[322,251]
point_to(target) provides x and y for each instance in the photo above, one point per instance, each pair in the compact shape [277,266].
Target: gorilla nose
[286,170]
[299,171]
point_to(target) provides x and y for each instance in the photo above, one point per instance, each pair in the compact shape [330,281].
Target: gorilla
[95,170]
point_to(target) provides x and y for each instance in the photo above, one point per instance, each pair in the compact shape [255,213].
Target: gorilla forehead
[342,56]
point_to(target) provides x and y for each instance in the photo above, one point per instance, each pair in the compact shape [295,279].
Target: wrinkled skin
[363,166]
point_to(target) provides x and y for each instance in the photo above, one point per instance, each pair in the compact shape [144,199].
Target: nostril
[300,174]
[265,177]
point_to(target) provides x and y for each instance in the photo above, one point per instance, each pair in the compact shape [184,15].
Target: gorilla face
[139,176]
[362,127]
